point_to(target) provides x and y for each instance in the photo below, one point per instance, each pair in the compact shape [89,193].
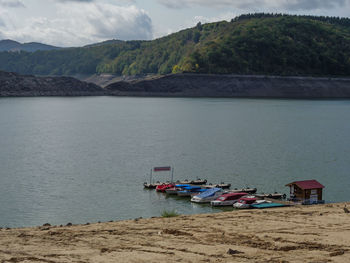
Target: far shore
[317,233]
[177,85]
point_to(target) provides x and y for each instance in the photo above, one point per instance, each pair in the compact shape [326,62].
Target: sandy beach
[319,233]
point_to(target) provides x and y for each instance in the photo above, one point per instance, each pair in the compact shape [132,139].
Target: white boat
[244,202]
[207,196]
[247,201]
[227,199]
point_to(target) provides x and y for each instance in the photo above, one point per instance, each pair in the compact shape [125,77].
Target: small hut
[306,192]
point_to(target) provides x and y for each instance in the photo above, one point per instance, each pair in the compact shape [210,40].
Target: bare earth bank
[299,234]
[205,85]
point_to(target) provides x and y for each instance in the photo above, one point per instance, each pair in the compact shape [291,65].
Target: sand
[319,233]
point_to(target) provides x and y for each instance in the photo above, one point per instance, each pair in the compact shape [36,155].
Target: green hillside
[249,44]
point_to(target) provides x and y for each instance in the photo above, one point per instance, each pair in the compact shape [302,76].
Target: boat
[189,190]
[245,190]
[175,189]
[227,199]
[153,185]
[184,193]
[198,181]
[220,185]
[245,202]
[163,187]
[207,196]
[272,196]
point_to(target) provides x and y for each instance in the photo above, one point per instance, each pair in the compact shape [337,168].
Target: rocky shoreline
[15,85]
[204,85]
[180,85]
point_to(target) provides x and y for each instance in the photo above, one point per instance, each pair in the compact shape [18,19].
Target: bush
[170,213]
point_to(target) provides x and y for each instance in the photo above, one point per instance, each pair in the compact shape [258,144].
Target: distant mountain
[262,44]
[14,46]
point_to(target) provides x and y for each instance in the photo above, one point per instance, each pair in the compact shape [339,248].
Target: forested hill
[249,44]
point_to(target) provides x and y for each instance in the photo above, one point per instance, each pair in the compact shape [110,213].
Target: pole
[150,177]
[172,174]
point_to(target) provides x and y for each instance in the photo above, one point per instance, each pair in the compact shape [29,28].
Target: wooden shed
[307,192]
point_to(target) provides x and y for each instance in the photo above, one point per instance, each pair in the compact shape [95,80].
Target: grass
[170,213]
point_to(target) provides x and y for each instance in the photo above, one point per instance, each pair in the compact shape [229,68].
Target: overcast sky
[82,22]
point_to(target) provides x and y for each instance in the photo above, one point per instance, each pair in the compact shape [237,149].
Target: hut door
[313,199]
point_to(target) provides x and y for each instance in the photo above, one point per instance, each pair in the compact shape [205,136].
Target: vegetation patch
[170,213]
[266,44]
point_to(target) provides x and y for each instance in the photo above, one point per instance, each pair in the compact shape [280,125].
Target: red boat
[163,187]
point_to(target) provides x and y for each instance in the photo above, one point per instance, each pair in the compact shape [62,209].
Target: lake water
[85,159]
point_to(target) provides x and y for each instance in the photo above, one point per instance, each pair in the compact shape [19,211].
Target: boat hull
[245,190]
[223,203]
[208,199]
[171,191]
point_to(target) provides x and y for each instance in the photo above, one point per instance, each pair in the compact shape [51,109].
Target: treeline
[259,43]
[343,21]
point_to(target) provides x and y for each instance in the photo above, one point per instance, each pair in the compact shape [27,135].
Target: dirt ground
[318,233]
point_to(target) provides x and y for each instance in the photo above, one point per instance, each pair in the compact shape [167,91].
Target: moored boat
[227,199]
[220,185]
[207,196]
[151,185]
[273,196]
[189,190]
[175,189]
[245,190]
[244,202]
[198,181]
[163,187]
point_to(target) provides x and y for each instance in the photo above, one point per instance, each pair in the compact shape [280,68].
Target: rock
[69,224]
[46,224]
[104,250]
[337,253]
[233,252]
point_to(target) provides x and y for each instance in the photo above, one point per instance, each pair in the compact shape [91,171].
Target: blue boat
[182,185]
[189,190]
[207,196]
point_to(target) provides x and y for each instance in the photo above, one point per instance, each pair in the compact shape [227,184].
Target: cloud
[2,24]
[221,17]
[76,25]
[292,5]
[79,1]
[11,3]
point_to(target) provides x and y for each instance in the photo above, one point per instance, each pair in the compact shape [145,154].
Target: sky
[69,23]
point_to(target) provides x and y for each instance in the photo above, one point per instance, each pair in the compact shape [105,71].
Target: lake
[85,159]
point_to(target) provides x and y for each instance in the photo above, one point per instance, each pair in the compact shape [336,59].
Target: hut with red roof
[306,192]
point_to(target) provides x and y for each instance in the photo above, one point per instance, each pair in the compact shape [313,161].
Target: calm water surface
[84,159]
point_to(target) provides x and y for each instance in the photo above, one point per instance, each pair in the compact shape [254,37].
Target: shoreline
[180,85]
[317,233]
